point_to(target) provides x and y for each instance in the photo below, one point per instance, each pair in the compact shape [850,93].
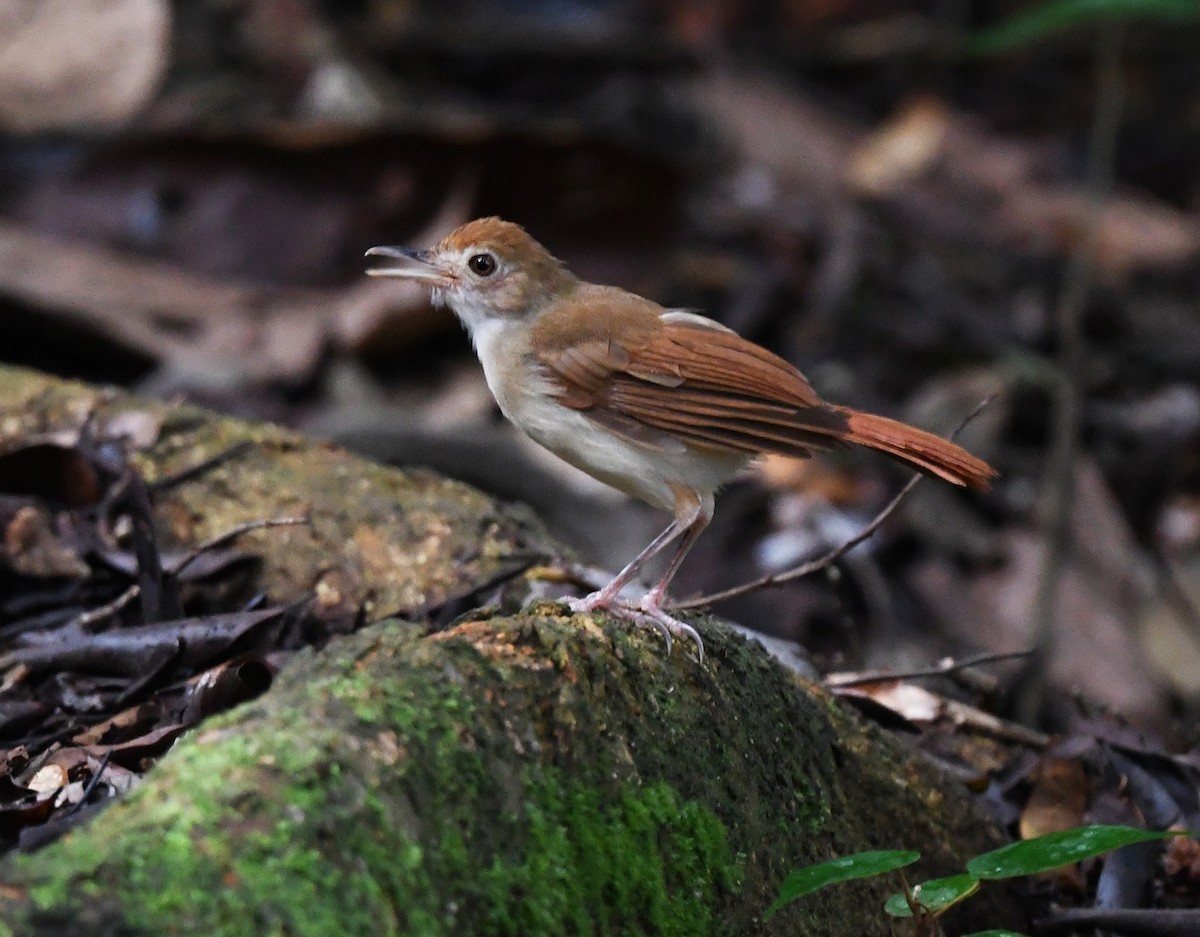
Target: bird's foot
[648,613]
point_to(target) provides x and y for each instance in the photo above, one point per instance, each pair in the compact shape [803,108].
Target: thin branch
[200,468]
[100,613]
[946,668]
[827,559]
[90,787]
[85,620]
[231,534]
[804,569]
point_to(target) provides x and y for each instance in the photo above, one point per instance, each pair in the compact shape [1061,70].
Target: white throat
[502,351]
[471,311]
[486,333]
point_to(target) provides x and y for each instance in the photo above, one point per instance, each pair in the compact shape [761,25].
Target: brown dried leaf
[136,718]
[816,477]
[32,547]
[901,150]
[132,752]
[1059,799]
[47,779]
[913,703]
[18,816]
[1182,862]
[226,685]
[1167,632]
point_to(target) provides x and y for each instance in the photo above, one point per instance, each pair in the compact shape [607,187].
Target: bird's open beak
[413,265]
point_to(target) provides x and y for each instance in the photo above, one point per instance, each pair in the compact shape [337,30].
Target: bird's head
[487,269]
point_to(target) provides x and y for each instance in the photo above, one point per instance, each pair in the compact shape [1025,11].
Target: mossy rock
[531,774]
[378,541]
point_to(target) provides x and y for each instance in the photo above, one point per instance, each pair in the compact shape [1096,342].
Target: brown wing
[674,380]
[679,378]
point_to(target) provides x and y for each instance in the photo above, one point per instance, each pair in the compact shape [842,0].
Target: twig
[91,785]
[95,615]
[946,668]
[232,533]
[206,465]
[827,559]
[804,569]
[976,719]
[1058,490]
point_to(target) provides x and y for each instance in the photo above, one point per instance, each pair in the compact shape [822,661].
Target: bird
[666,405]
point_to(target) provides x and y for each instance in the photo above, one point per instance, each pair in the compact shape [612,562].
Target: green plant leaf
[846,869]
[935,896]
[1046,19]
[1054,850]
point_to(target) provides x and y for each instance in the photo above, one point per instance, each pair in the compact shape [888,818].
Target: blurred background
[921,204]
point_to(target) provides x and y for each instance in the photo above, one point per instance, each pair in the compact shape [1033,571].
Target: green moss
[815,807]
[649,864]
[275,838]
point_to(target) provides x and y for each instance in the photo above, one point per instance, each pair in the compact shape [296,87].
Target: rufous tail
[923,451]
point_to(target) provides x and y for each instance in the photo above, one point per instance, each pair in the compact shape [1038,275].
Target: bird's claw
[647,613]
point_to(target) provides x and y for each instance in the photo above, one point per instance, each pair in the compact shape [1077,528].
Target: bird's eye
[482,265]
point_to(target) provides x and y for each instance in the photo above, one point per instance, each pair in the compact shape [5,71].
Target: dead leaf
[47,779]
[1182,862]
[814,477]
[132,752]
[900,151]
[33,548]
[16,817]
[1059,799]
[1179,524]
[915,704]
[137,718]
[1168,637]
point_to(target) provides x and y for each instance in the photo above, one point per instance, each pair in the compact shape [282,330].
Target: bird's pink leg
[606,598]
[692,516]
[658,594]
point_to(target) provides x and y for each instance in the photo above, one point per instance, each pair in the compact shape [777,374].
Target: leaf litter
[113,640]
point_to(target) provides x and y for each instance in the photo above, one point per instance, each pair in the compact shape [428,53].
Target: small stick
[200,468]
[945,668]
[91,785]
[804,569]
[98,614]
[829,558]
[234,532]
